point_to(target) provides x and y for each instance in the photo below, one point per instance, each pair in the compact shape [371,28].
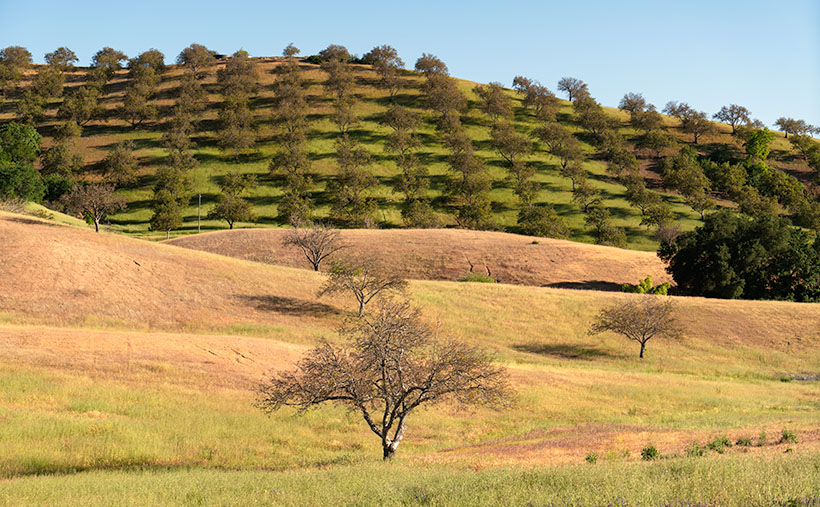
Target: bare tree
[393,364]
[317,242]
[640,319]
[94,201]
[364,278]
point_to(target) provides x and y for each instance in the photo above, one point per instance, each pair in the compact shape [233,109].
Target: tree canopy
[735,256]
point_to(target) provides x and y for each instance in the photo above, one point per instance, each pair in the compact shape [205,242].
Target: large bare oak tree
[393,364]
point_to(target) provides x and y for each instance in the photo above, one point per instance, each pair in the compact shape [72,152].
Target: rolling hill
[158,348]
[446,254]
[100,136]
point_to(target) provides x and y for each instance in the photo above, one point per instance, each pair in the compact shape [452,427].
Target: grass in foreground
[721,480]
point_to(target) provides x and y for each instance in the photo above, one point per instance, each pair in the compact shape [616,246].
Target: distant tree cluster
[740,170]
[19,148]
[238,82]
[292,159]
[468,189]
[350,191]
[735,256]
[144,72]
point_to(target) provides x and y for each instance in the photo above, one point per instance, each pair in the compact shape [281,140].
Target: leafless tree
[393,364]
[317,242]
[95,201]
[639,318]
[364,278]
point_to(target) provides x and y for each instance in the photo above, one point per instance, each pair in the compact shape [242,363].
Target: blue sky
[763,55]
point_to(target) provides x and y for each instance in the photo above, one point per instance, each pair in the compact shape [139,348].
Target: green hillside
[99,136]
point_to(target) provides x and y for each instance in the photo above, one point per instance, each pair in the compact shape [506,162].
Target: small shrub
[645,287]
[314,59]
[13,205]
[650,453]
[785,379]
[761,439]
[789,450]
[787,437]
[744,442]
[534,242]
[42,213]
[477,277]
[719,444]
[695,450]
[591,458]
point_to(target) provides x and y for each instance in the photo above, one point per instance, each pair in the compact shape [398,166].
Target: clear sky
[764,55]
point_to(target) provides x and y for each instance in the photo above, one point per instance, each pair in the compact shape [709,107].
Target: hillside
[100,136]
[446,254]
[158,348]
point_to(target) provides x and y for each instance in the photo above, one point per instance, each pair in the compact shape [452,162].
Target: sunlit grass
[720,480]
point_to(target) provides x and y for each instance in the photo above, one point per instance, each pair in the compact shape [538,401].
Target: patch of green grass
[554,189]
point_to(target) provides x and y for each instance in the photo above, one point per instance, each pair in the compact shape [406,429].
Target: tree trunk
[230,225]
[643,347]
[389,452]
[361,307]
[168,234]
[96,225]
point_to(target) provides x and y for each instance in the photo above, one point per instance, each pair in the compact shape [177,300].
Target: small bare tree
[365,279]
[317,242]
[93,201]
[640,319]
[393,364]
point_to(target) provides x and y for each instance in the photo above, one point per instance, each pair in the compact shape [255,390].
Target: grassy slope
[98,137]
[446,254]
[107,365]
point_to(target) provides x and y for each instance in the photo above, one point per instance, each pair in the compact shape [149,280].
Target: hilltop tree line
[700,176]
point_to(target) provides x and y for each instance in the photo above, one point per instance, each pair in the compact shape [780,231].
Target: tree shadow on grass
[562,350]
[587,285]
[288,306]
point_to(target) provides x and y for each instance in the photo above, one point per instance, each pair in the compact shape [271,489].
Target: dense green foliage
[646,286]
[735,256]
[19,148]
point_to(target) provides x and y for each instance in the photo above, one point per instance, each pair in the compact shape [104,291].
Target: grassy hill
[135,363]
[99,136]
[446,254]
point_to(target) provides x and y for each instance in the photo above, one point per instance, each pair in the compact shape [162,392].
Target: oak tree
[639,318]
[365,279]
[95,202]
[393,363]
[734,115]
[317,242]
[573,87]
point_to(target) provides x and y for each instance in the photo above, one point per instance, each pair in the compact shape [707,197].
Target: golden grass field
[121,359]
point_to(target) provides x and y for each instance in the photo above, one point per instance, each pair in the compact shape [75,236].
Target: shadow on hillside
[562,350]
[587,285]
[288,306]
[30,221]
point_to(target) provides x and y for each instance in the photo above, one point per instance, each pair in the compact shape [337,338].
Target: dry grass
[188,333]
[446,254]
